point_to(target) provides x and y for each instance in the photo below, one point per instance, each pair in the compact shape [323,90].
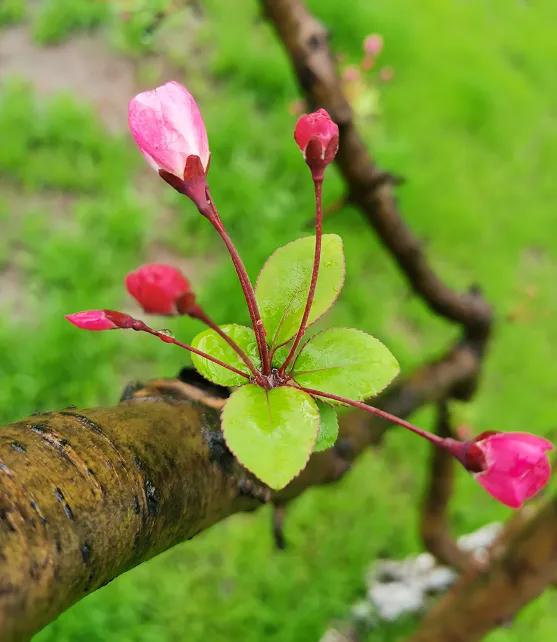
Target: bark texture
[86,495]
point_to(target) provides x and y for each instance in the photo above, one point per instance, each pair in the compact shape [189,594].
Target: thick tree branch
[88,494]
[485,599]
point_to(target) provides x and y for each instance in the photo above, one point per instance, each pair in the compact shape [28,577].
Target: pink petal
[517,466]
[91,320]
[167,126]
[317,125]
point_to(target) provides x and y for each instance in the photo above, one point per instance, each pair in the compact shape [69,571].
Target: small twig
[279,513]
[434,523]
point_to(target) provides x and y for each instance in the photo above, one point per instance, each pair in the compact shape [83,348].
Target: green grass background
[470,120]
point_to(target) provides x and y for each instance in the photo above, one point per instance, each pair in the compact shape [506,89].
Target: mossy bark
[85,495]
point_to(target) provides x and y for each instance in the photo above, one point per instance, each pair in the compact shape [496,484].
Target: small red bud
[160,289]
[317,136]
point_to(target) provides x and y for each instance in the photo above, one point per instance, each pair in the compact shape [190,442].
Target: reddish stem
[198,313]
[139,326]
[318,184]
[446,444]
[212,214]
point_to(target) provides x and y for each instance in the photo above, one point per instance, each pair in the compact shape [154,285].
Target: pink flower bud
[373,44]
[100,320]
[160,289]
[511,466]
[317,136]
[168,128]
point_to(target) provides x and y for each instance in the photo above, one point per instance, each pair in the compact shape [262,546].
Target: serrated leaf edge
[223,411]
[242,367]
[367,334]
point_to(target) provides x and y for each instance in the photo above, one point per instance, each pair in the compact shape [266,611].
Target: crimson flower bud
[317,136]
[511,466]
[97,320]
[160,289]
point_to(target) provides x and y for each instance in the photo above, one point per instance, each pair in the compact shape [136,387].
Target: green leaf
[328,427]
[272,433]
[283,283]
[210,342]
[345,362]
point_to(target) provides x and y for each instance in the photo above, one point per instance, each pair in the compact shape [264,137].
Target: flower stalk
[98,320]
[213,216]
[195,311]
[318,189]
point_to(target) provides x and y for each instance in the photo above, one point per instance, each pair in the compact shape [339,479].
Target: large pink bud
[160,289]
[511,466]
[317,137]
[168,128]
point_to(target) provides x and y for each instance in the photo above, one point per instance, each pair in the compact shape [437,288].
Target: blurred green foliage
[56,19]
[11,11]
[469,121]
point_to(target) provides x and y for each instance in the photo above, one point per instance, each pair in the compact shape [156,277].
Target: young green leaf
[283,284]
[271,432]
[328,427]
[346,362]
[209,341]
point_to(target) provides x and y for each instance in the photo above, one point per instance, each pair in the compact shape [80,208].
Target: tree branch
[485,599]
[434,523]
[306,42]
[87,494]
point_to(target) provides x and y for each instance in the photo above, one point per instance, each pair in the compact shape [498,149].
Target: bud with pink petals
[317,136]
[511,466]
[160,289]
[373,44]
[168,128]
[97,320]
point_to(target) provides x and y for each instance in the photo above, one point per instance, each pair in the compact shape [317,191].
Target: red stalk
[142,327]
[212,214]
[318,184]
[446,444]
[198,313]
